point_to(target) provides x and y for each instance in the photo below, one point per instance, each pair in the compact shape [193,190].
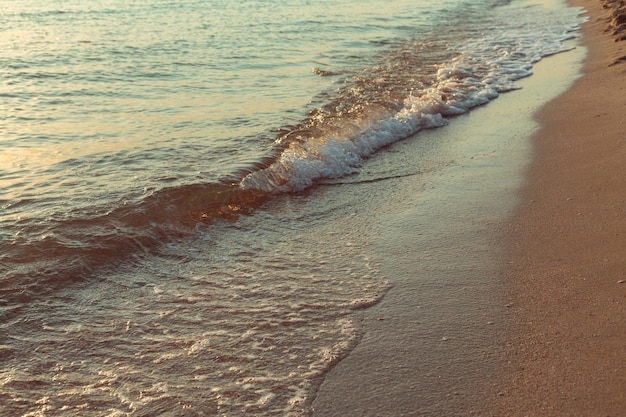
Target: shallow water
[165,246]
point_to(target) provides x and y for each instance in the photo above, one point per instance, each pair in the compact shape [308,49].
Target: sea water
[163,249]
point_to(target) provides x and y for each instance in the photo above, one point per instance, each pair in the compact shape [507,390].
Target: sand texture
[566,267]
[616,18]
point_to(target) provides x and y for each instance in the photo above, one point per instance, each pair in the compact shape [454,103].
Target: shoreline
[434,344]
[566,270]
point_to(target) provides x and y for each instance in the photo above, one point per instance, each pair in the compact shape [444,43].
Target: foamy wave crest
[390,102]
[304,162]
[457,90]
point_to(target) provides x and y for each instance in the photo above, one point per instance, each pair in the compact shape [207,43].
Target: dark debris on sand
[616,23]
[616,18]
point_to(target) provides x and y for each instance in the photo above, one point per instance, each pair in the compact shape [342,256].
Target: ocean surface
[164,247]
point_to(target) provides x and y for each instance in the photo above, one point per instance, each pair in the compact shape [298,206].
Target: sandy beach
[510,297]
[566,266]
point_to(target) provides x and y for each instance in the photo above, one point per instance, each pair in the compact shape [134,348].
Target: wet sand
[437,343]
[566,269]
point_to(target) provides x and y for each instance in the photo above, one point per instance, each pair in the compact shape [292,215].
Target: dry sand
[567,262]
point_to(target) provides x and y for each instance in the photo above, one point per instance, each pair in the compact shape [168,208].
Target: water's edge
[432,346]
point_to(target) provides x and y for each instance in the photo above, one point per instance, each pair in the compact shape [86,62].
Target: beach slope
[435,345]
[566,271]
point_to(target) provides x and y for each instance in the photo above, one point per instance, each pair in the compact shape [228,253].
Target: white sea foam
[484,68]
